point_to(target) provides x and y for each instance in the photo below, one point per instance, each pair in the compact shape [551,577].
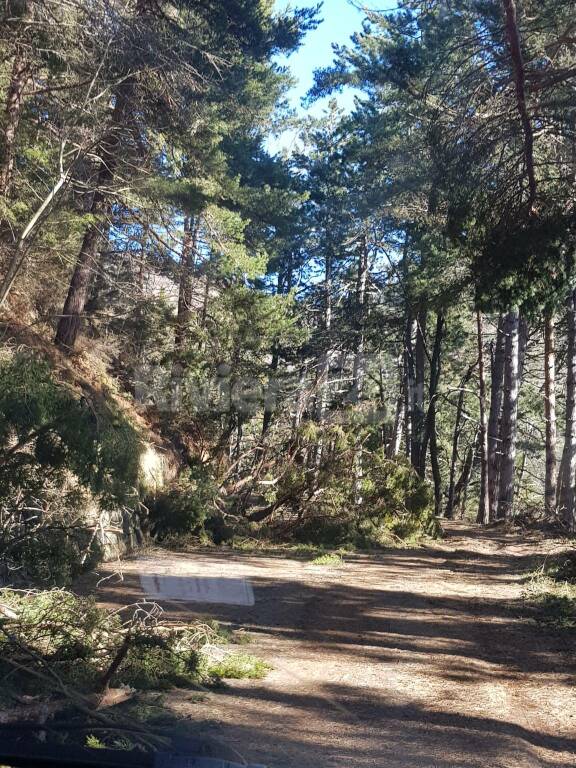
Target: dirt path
[408,659]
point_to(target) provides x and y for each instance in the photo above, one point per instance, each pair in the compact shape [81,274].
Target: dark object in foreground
[15,754]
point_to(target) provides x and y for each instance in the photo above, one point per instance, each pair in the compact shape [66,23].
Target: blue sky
[340,20]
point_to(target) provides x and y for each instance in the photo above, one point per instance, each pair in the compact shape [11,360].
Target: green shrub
[329,559]
[395,499]
[61,459]
[550,594]
[62,430]
[390,501]
[183,507]
[57,630]
[239,666]
[563,568]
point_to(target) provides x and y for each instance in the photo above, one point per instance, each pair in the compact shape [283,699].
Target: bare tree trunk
[71,318]
[301,400]
[409,381]
[523,332]
[418,395]
[518,69]
[393,448]
[450,505]
[326,359]
[284,286]
[509,416]
[430,423]
[550,413]
[435,370]
[18,79]
[520,473]
[359,371]
[461,488]
[496,393]
[20,250]
[567,479]
[186,283]
[324,368]
[484,500]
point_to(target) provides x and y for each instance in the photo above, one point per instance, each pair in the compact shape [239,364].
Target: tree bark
[71,318]
[409,380]
[496,393]
[359,372]
[430,436]
[450,505]
[435,370]
[323,375]
[523,332]
[514,44]
[20,250]
[186,283]
[393,448]
[359,368]
[566,496]
[550,413]
[326,356]
[509,416]
[484,500]
[18,79]
[461,489]
[418,393]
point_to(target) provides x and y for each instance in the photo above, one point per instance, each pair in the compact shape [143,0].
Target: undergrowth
[239,666]
[550,593]
[329,559]
[53,640]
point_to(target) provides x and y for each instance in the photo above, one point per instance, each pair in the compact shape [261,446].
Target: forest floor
[411,658]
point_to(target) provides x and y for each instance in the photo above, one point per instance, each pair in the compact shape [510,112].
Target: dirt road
[407,659]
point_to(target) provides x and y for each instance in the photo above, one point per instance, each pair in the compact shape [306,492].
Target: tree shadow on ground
[458,637]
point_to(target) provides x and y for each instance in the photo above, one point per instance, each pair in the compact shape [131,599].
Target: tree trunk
[435,370]
[461,488]
[19,253]
[409,381]
[436,473]
[509,416]
[550,413]
[359,368]
[518,70]
[18,79]
[566,496]
[393,448]
[484,500]
[496,384]
[301,400]
[418,393]
[186,283]
[523,332]
[326,358]
[284,287]
[430,436]
[71,318]
[359,372]
[450,503]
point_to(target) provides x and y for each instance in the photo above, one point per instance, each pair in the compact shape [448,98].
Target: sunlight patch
[198,589]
